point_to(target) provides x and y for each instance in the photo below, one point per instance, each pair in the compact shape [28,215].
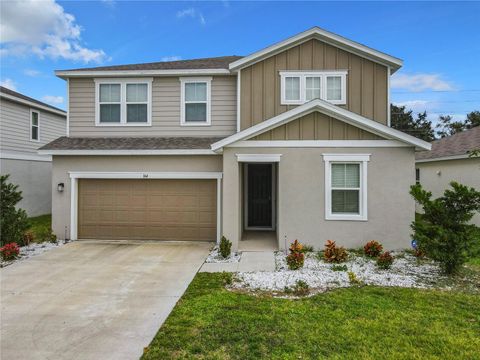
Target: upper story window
[123,102]
[195,101]
[34,125]
[298,87]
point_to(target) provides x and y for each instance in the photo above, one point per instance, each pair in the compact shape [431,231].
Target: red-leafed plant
[373,248]
[10,251]
[296,258]
[334,253]
[385,260]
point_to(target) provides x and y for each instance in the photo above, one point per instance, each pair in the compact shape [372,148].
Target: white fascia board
[34,105]
[258,158]
[143,175]
[445,158]
[325,36]
[128,152]
[64,74]
[328,109]
[24,156]
[319,144]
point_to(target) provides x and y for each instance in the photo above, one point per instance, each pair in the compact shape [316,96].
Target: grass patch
[210,322]
[39,224]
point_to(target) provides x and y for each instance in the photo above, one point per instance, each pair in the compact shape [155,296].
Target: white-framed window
[123,102]
[195,104]
[346,186]
[299,87]
[34,125]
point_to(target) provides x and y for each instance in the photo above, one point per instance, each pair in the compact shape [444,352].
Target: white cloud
[193,13]
[109,3]
[9,84]
[171,58]
[45,29]
[420,82]
[51,99]
[416,106]
[31,72]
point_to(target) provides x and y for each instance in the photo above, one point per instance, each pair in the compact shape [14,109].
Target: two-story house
[26,124]
[292,142]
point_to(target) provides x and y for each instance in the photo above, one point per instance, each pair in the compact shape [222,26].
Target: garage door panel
[147,209]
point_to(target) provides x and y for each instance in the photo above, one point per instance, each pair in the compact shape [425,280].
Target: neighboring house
[293,140]
[450,160]
[25,125]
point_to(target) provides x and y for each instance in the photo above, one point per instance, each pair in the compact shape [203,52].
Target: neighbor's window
[123,102]
[345,186]
[417,176]
[34,125]
[195,101]
[298,87]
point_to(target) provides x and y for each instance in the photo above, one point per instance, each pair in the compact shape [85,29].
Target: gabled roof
[328,109]
[456,146]
[206,65]
[327,37]
[16,96]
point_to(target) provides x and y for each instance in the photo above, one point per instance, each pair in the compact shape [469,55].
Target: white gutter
[126,73]
[33,104]
[129,152]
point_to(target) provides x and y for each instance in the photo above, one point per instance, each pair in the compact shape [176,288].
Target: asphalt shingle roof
[7,91]
[221,62]
[131,143]
[458,144]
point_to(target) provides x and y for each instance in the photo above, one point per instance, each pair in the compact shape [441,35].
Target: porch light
[60,187]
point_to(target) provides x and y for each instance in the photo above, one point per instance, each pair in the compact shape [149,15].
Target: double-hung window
[195,101]
[346,186]
[299,87]
[34,125]
[123,102]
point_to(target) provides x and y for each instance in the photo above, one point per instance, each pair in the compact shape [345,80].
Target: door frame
[76,175]
[273,200]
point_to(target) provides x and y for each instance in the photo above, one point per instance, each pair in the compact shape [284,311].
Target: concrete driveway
[92,300]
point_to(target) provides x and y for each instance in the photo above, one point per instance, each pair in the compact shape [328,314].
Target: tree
[403,120]
[473,119]
[13,221]
[443,232]
[448,127]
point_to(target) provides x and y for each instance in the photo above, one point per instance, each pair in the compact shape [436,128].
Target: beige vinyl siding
[316,126]
[367,85]
[165,110]
[15,127]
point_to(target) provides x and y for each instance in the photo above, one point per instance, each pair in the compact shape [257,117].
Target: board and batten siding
[15,127]
[367,83]
[165,110]
[316,126]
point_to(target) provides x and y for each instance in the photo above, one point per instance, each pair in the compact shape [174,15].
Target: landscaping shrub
[13,221]
[46,235]
[373,248]
[334,254]
[385,260]
[353,278]
[10,251]
[307,249]
[339,268]
[225,247]
[28,237]
[296,258]
[443,232]
[301,288]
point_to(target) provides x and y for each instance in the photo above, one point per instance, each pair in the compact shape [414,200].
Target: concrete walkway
[249,261]
[92,300]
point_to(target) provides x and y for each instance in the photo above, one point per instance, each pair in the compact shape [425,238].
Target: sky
[439,42]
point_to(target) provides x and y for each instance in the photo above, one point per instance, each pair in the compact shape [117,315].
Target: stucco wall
[301,189]
[463,171]
[63,164]
[34,179]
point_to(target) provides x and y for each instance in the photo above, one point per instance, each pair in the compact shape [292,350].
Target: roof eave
[323,35]
[34,104]
[65,74]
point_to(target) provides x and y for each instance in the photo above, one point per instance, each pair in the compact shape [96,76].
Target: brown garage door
[147,209]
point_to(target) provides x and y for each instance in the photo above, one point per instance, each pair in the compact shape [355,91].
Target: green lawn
[210,322]
[39,223]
